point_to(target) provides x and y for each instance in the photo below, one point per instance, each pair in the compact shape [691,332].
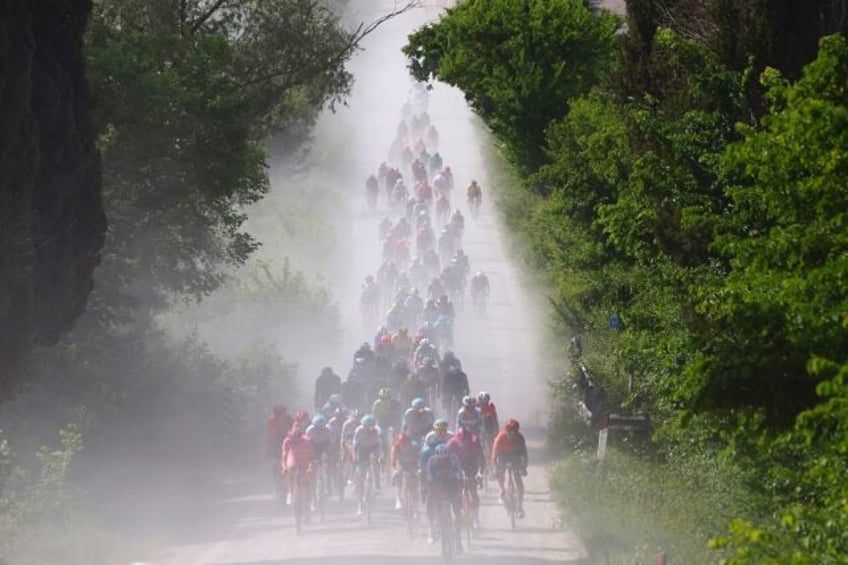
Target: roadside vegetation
[683,196]
[186,339]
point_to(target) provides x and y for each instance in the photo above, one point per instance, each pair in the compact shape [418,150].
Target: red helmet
[296,430]
[511,425]
[301,416]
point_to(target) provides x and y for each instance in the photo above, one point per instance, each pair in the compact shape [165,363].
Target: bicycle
[474,202]
[366,496]
[444,520]
[279,480]
[510,500]
[300,499]
[410,499]
[486,439]
[468,506]
[320,488]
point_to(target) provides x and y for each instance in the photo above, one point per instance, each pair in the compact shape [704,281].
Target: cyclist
[443,477]
[464,263]
[418,419]
[445,307]
[434,164]
[386,410]
[474,194]
[335,453]
[401,341]
[489,413]
[412,387]
[431,311]
[301,418]
[432,137]
[372,188]
[479,286]
[326,384]
[468,449]
[321,437]
[367,445]
[404,459]
[279,424]
[425,350]
[348,430]
[449,360]
[454,386]
[297,454]
[510,447]
[469,416]
[333,403]
[439,434]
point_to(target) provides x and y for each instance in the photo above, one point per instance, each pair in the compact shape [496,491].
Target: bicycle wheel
[297,503]
[368,494]
[322,492]
[468,514]
[409,503]
[512,496]
[446,529]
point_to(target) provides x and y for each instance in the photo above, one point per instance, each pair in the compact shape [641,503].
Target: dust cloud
[502,354]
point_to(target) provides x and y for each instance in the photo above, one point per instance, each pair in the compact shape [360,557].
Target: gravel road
[244,524]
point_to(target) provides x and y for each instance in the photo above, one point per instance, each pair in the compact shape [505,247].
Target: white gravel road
[244,524]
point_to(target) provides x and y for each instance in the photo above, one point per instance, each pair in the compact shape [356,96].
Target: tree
[51,216]
[518,63]
[785,247]
[187,93]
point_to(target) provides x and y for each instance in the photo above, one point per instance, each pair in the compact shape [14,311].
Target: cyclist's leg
[456,506]
[500,475]
[519,485]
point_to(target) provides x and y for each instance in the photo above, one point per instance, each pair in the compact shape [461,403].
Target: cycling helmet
[419,404]
[484,397]
[440,424]
[368,421]
[355,414]
[469,401]
[441,449]
[319,420]
[480,274]
[384,393]
[335,399]
[424,342]
[511,425]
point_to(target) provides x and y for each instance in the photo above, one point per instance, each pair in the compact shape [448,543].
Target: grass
[628,508]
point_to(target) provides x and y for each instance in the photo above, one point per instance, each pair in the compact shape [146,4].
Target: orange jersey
[509,447]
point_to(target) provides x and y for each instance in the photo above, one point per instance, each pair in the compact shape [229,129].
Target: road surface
[244,524]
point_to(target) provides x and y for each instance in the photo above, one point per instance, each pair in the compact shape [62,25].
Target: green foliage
[627,508]
[44,518]
[186,94]
[518,63]
[714,226]
[807,467]
[784,244]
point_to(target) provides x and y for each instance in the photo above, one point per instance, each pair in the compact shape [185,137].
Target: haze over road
[245,524]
